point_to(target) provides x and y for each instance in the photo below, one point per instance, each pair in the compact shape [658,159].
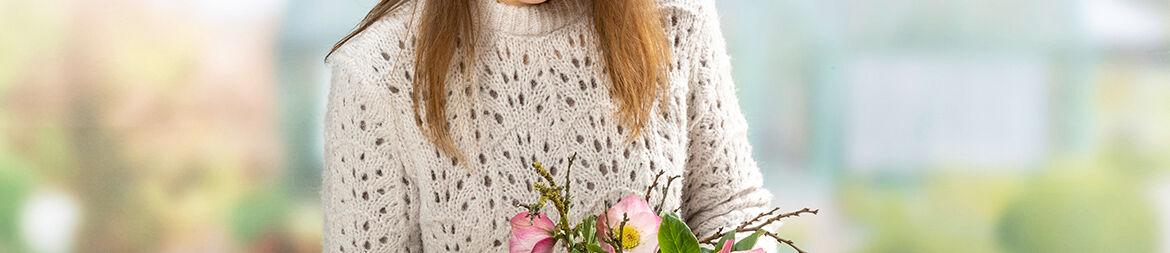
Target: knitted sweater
[535,93]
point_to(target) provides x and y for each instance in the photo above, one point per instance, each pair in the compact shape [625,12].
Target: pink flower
[531,235]
[641,232]
[729,243]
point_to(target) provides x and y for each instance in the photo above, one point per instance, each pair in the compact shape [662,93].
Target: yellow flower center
[629,236]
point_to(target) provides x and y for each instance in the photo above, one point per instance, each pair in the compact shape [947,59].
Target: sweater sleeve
[370,202]
[723,186]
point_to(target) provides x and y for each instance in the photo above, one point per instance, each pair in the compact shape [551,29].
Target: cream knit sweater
[537,93]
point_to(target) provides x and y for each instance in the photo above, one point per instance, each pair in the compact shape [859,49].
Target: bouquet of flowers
[631,225]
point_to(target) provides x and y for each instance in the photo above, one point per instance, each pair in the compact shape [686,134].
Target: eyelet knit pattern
[536,92]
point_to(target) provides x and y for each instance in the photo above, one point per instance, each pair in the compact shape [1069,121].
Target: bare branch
[652,185]
[785,241]
[747,226]
[665,189]
[782,216]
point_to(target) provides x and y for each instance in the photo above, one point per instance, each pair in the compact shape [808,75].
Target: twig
[717,232]
[757,218]
[747,226]
[711,239]
[615,242]
[782,216]
[569,171]
[622,232]
[652,185]
[568,199]
[785,241]
[669,180]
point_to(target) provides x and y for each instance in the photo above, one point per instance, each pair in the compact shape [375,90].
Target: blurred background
[914,125]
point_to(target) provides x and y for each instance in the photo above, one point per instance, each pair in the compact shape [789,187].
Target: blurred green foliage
[15,182]
[937,212]
[1089,204]
[1080,207]
[261,212]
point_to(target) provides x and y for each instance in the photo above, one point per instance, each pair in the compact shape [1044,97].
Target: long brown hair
[629,33]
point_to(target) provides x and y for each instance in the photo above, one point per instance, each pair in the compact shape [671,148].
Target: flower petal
[641,218]
[647,225]
[529,234]
[602,228]
[727,246]
[524,243]
[541,221]
[646,246]
[645,222]
[544,246]
[632,204]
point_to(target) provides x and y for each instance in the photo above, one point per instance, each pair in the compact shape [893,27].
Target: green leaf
[595,249]
[675,237]
[587,230]
[748,242]
[728,236]
[706,250]
[585,233]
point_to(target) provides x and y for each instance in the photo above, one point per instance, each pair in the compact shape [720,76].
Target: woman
[439,107]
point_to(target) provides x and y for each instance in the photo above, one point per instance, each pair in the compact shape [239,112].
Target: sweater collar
[534,19]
